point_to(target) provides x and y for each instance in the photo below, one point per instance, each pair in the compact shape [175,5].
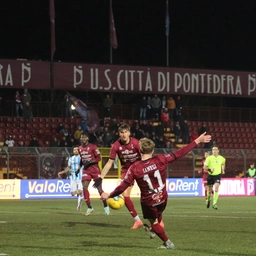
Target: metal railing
[46,162]
[131,111]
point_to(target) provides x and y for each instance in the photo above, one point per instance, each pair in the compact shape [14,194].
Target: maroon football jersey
[150,175]
[127,154]
[89,153]
[204,174]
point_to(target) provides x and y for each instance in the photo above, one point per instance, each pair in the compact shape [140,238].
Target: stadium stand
[230,136]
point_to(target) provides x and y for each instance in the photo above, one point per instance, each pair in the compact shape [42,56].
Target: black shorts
[212,179]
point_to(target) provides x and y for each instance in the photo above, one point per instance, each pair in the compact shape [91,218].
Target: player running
[76,187]
[90,156]
[128,151]
[205,176]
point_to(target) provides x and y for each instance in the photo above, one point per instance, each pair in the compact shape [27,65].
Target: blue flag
[167,20]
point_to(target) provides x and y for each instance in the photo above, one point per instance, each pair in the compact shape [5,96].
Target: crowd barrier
[60,188]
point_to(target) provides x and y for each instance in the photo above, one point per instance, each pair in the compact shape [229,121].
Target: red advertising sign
[135,79]
[24,74]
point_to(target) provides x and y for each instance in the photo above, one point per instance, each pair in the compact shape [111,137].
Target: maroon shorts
[153,212]
[91,173]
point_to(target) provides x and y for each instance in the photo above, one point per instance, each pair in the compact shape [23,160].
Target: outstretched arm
[118,190]
[98,181]
[106,168]
[64,171]
[203,138]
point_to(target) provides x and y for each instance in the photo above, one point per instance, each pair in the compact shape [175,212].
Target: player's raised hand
[59,174]
[203,138]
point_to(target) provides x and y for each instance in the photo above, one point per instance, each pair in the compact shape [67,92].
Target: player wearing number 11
[150,175]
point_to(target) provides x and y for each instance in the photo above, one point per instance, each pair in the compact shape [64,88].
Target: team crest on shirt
[157,197]
[120,148]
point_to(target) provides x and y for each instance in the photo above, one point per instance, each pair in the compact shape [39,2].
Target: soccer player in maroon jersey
[128,150]
[205,174]
[150,175]
[90,156]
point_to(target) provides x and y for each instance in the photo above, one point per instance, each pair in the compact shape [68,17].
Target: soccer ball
[116,202]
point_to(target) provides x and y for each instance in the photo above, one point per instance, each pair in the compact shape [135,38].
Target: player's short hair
[123,127]
[146,146]
[215,146]
[84,134]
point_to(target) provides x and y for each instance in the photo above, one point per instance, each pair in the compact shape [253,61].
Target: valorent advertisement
[60,188]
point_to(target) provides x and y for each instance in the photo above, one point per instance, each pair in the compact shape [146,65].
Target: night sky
[203,34]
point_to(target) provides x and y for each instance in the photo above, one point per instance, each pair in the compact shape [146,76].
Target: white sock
[80,200]
[137,218]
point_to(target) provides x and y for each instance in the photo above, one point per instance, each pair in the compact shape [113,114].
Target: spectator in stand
[64,142]
[160,143]
[18,103]
[9,142]
[177,132]
[149,109]
[185,132]
[21,143]
[138,133]
[54,142]
[163,104]
[68,103]
[165,118]
[171,105]
[108,102]
[27,112]
[100,142]
[202,129]
[65,133]
[169,144]
[84,126]
[179,118]
[143,108]
[159,130]
[34,142]
[155,105]
[72,142]
[26,97]
[179,105]
[107,139]
[77,134]
[59,128]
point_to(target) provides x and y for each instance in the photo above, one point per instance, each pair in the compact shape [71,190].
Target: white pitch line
[210,216]
[2,221]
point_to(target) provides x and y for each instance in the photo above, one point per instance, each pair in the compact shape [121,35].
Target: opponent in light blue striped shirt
[76,186]
[73,164]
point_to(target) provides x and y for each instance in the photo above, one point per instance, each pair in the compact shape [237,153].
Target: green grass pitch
[54,227]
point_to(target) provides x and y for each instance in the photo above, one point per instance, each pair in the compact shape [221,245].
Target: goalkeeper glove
[97,182]
[77,172]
